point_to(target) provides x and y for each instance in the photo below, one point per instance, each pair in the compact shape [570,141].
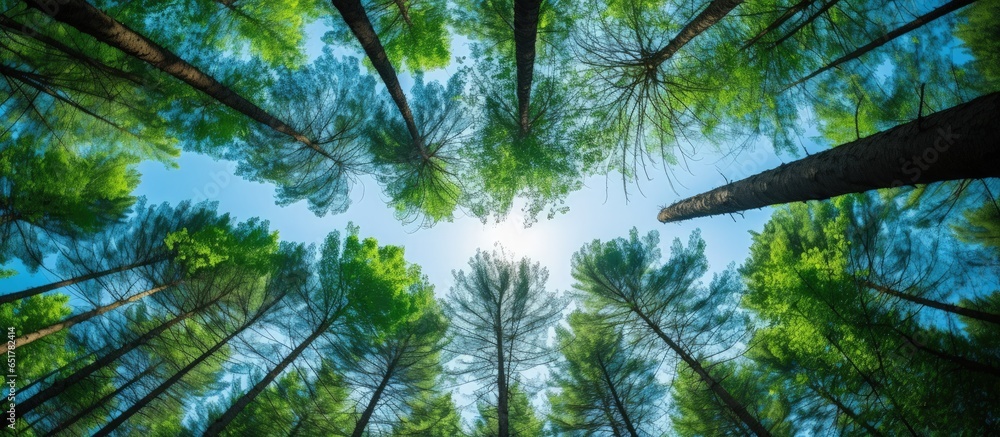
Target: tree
[623,284]
[358,281]
[500,314]
[431,415]
[948,145]
[524,421]
[604,386]
[412,32]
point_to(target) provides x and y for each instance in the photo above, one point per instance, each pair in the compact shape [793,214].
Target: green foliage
[980,31]
[412,32]
[981,226]
[249,246]
[29,315]
[431,415]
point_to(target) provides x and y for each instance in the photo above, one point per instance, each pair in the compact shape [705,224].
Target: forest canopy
[867,302]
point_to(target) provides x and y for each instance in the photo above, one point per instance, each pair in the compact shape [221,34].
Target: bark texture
[957,143]
[525,36]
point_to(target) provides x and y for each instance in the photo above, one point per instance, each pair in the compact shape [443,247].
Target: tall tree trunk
[359,428]
[810,19]
[22,29]
[732,403]
[64,426]
[503,391]
[919,21]
[160,389]
[92,21]
[957,143]
[962,362]
[356,18]
[715,11]
[954,309]
[65,283]
[789,13]
[619,405]
[216,427]
[525,35]
[83,317]
[69,365]
[60,386]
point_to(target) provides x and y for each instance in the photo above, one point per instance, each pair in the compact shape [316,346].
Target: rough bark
[216,427]
[356,18]
[715,11]
[83,317]
[65,283]
[92,21]
[954,309]
[957,143]
[784,17]
[525,36]
[727,398]
[160,389]
[919,21]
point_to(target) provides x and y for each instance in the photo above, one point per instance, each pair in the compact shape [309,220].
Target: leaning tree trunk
[65,283]
[216,427]
[60,386]
[92,21]
[789,13]
[962,362]
[356,18]
[822,10]
[160,389]
[957,143]
[714,386]
[359,427]
[918,22]
[525,35]
[954,309]
[83,317]
[619,405]
[64,426]
[715,11]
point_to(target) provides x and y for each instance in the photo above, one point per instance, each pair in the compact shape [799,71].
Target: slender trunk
[919,21]
[83,317]
[64,426]
[359,428]
[49,287]
[954,309]
[732,403]
[525,35]
[789,13]
[356,18]
[216,427]
[964,363]
[22,29]
[618,402]
[160,389]
[957,143]
[55,371]
[810,19]
[60,386]
[715,11]
[92,21]
[404,12]
[503,392]
[847,411]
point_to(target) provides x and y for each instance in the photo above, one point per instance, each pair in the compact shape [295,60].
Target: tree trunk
[49,287]
[618,402]
[789,13]
[22,29]
[919,21]
[404,12]
[100,402]
[954,309]
[359,428]
[79,318]
[962,362]
[356,18]
[525,35]
[216,427]
[810,19]
[503,391]
[715,11]
[160,389]
[92,21]
[57,370]
[732,403]
[60,386]
[957,143]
